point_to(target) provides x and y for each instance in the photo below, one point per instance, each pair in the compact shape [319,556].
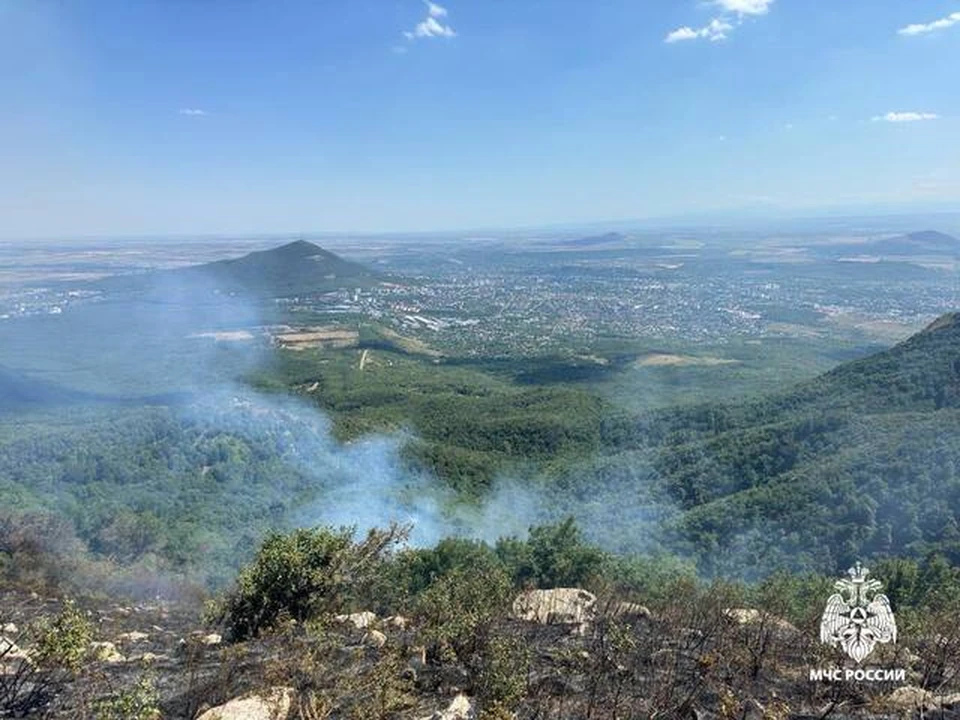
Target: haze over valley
[450,366]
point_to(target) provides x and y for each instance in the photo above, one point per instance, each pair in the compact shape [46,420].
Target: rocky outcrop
[274,705]
[360,620]
[374,638]
[559,606]
[910,699]
[11,656]
[106,652]
[752,616]
[9,649]
[399,622]
[461,708]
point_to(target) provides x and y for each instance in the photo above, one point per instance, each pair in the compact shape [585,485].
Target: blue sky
[183,116]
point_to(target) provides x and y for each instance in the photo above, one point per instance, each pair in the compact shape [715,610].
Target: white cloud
[732,13]
[682,33]
[745,7]
[714,31]
[923,28]
[431,26]
[902,117]
[434,10]
[196,112]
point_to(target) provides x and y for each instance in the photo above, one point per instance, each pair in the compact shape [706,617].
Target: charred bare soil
[695,657]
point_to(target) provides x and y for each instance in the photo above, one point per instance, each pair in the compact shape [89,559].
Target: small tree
[458,609]
[28,684]
[304,574]
[553,556]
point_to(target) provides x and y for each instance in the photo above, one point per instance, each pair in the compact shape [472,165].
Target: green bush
[139,702]
[304,574]
[63,641]
[502,682]
[457,610]
[415,569]
[28,685]
[553,556]
[649,578]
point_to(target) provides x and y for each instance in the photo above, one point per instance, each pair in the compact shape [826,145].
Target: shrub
[27,685]
[139,702]
[503,674]
[415,569]
[304,574]
[63,641]
[553,556]
[457,610]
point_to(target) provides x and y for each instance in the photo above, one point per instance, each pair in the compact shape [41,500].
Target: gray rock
[274,705]
[360,620]
[561,606]
[461,708]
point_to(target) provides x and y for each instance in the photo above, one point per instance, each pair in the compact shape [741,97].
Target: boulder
[10,629]
[132,637]
[752,616]
[562,606]
[397,621]
[374,638]
[147,658]
[274,705]
[461,708]
[11,657]
[909,699]
[360,620]
[211,639]
[9,650]
[105,652]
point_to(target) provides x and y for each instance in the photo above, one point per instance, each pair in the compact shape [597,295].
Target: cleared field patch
[671,360]
[382,335]
[316,337]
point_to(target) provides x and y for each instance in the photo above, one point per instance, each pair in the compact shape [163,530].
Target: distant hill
[860,462]
[586,242]
[925,243]
[297,268]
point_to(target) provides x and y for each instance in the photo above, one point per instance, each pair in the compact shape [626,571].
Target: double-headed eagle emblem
[854,620]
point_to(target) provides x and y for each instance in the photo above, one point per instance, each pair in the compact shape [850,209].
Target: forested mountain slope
[859,461]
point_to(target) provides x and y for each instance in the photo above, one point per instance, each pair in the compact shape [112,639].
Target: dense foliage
[858,463]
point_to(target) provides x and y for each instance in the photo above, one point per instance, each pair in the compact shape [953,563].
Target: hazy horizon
[152,118]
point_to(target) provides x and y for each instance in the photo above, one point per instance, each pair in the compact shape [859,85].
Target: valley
[590,413]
